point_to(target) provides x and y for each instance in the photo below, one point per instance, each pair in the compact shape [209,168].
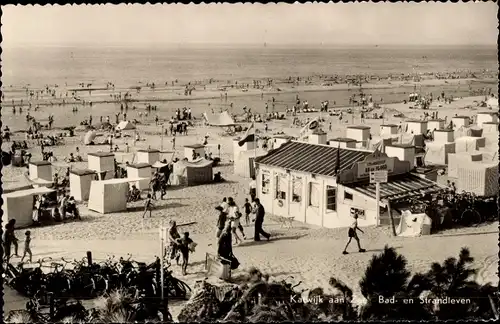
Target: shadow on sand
[274,238]
[156,208]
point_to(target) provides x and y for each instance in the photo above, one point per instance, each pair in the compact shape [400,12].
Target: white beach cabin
[140,170]
[416,127]
[388,130]
[343,142]
[109,196]
[359,133]
[18,205]
[103,163]
[40,170]
[79,183]
[199,149]
[480,178]
[444,136]
[456,159]
[435,124]
[149,156]
[460,121]
[486,117]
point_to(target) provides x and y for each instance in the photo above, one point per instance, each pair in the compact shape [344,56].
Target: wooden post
[162,247]
[377,198]
[161,145]
[51,306]
[392,218]
[89,258]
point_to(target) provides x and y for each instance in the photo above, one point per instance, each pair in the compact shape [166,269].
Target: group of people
[9,239]
[179,246]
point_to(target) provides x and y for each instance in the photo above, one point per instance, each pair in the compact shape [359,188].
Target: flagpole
[254,142]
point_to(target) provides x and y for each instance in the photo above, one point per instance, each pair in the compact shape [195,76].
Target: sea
[125,65]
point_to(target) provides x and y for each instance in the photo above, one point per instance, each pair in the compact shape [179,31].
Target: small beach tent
[109,196]
[411,139]
[474,131]
[437,153]
[89,137]
[412,225]
[221,120]
[469,143]
[18,205]
[125,125]
[490,128]
[192,173]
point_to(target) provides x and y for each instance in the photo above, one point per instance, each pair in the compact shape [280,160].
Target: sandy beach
[289,252]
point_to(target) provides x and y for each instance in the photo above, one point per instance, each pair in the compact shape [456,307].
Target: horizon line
[261,44]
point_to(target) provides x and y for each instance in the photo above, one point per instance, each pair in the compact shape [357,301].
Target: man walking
[259,220]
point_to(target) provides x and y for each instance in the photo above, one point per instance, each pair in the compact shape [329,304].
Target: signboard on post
[381,164]
[378,176]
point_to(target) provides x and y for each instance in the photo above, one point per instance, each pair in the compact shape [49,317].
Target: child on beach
[353,234]
[248,211]
[148,206]
[185,244]
[27,248]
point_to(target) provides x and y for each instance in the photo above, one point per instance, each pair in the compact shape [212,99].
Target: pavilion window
[281,186]
[314,194]
[296,189]
[331,198]
[266,183]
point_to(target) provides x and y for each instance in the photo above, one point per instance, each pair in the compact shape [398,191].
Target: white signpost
[378,177]
[163,238]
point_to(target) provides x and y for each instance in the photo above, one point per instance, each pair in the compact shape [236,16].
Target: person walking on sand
[184,245]
[148,206]
[224,205]
[259,220]
[235,215]
[173,236]
[224,243]
[9,239]
[248,209]
[353,234]
[27,247]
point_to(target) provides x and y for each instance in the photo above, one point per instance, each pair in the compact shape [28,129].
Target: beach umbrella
[89,137]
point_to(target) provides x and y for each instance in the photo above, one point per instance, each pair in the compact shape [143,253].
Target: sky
[340,23]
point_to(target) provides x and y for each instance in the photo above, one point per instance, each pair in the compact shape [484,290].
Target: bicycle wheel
[470,217]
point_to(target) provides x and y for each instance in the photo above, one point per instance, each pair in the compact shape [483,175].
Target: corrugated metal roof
[398,187]
[311,158]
